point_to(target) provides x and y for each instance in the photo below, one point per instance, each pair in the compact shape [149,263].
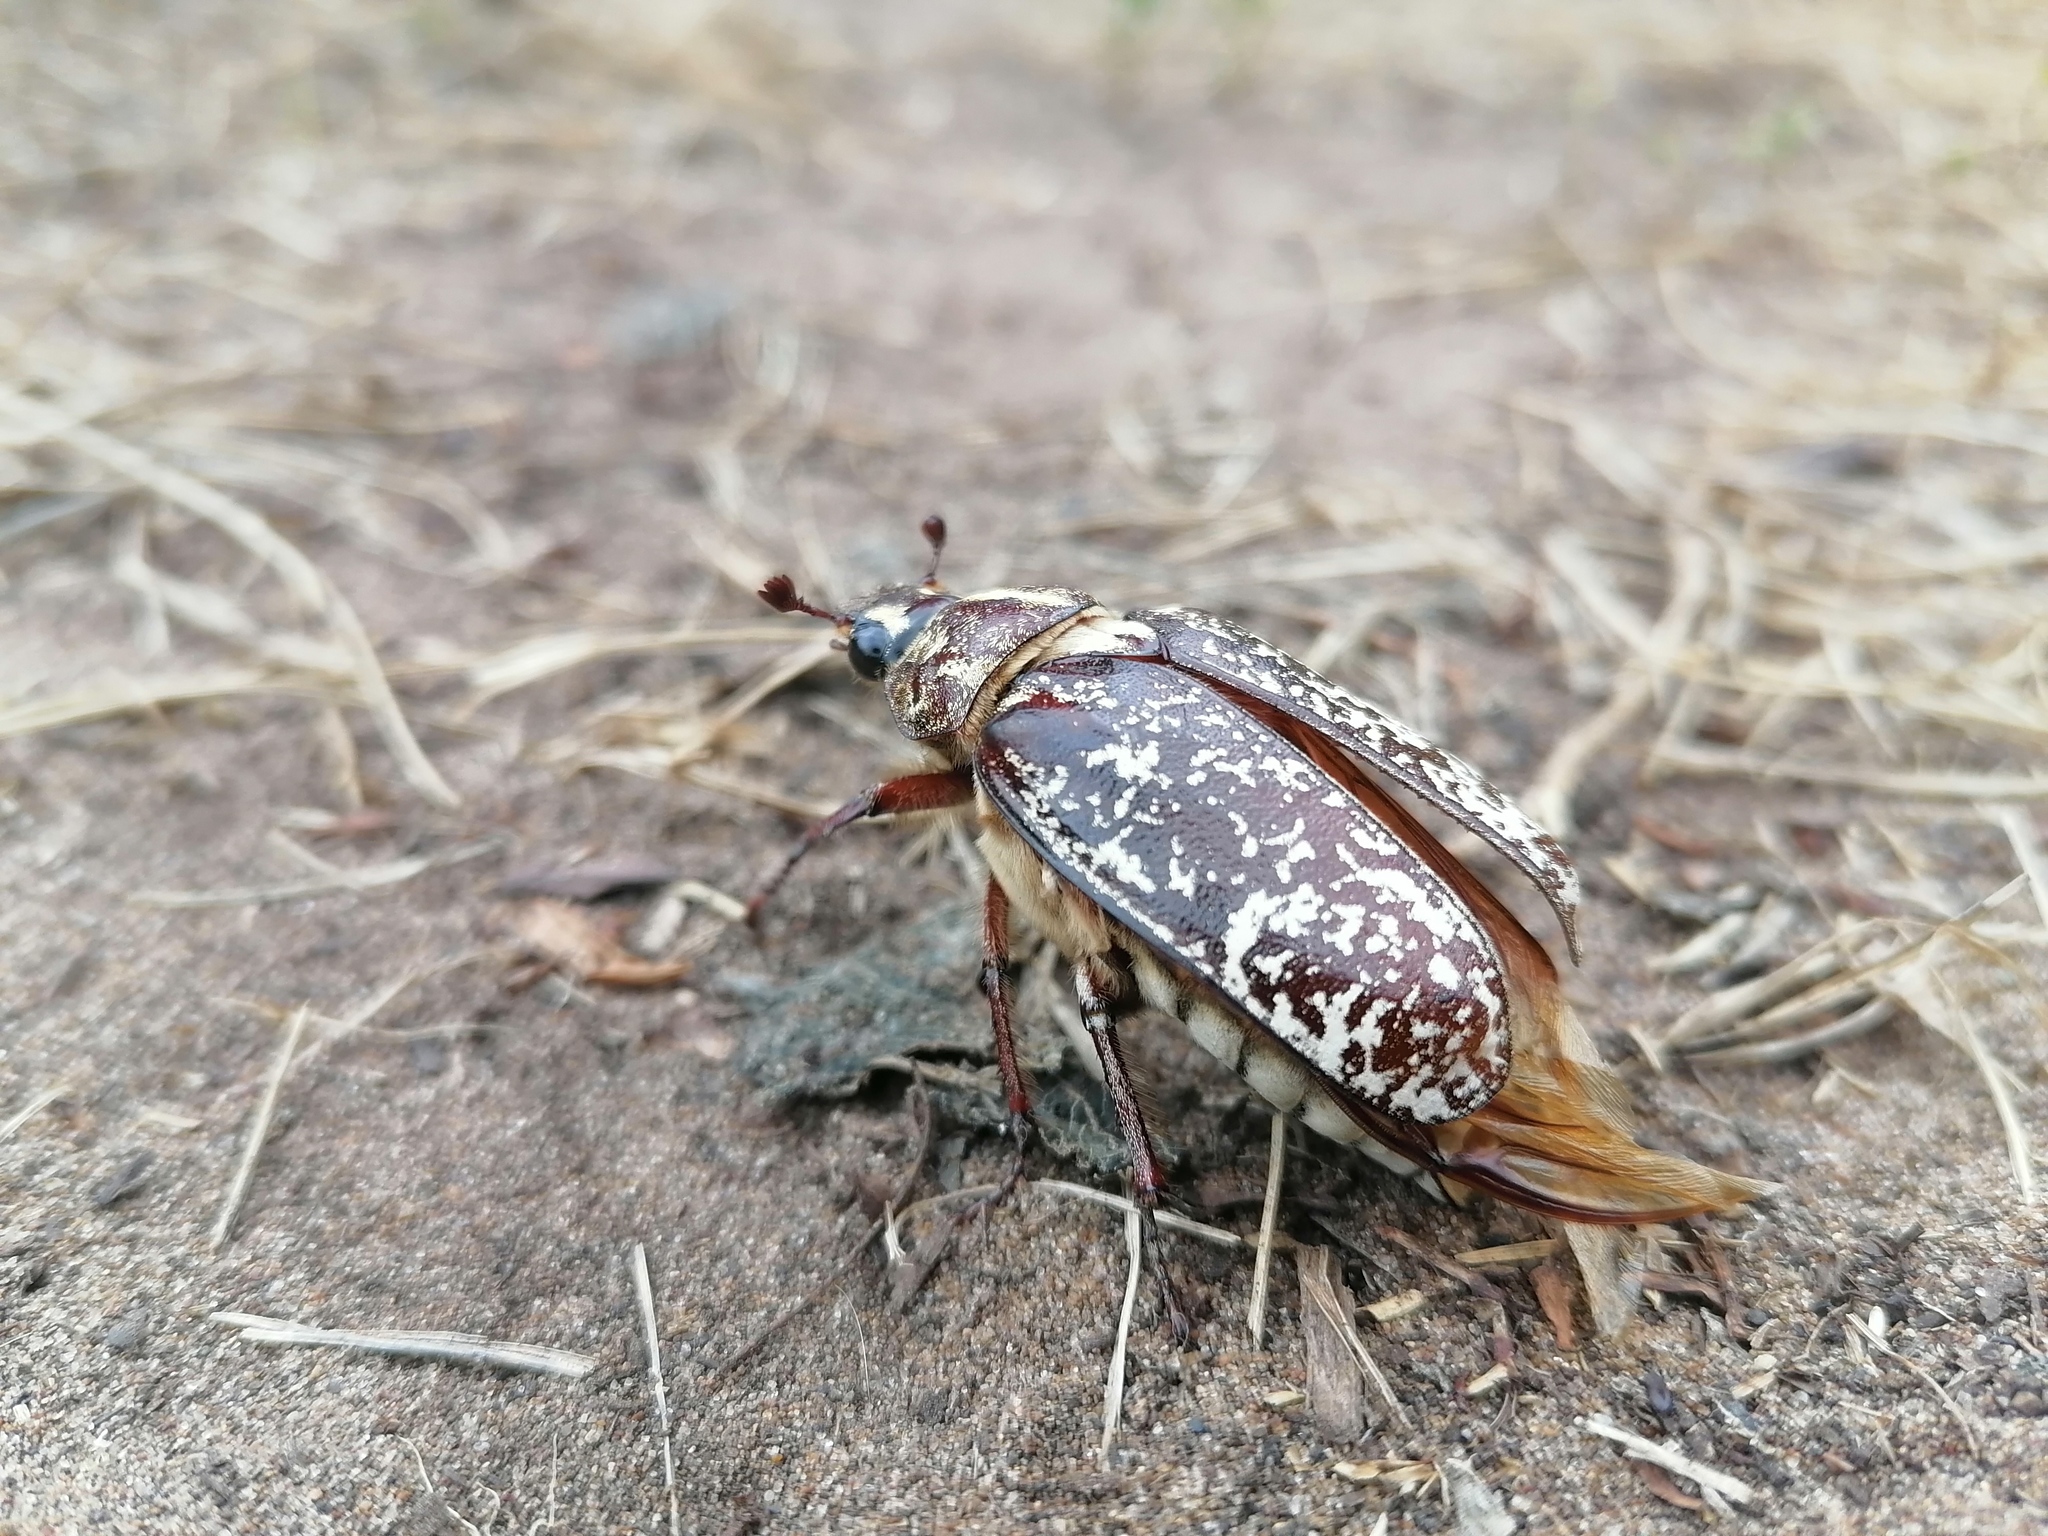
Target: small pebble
[2029,1405]
[128,1332]
[1756,1317]
[123,1181]
[1657,1393]
[1735,1413]
[1198,1427]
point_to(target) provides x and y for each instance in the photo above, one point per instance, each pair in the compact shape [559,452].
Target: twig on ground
[1876,1341]
[1732,1488]
[643,1288]
[1113,1393]
[1336,1382]
[122,695]
[1470,1278]
[32,1108]
[365,877]
[1168,1220]
[1269,1218]
[259,1128]
[1319,1291]
[456,1348]
[543,656]
[1693,757]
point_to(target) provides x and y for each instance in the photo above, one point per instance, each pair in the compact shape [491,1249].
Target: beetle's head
[877,632]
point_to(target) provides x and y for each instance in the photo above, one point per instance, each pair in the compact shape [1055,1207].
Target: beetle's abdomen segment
[1266,1066]
[1230,853]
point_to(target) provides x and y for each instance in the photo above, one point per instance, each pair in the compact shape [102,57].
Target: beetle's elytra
[1187,812]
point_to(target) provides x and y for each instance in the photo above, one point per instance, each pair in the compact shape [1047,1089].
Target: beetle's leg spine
[912,792]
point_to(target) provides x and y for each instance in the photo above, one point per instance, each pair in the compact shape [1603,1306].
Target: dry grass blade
[662,741]
[1923,988]
[127,695]
[1548,799]
[1466,1276]
[544,656]
[643,1290]
[31,1109]
[803,807]
[759,1341]
[1873,1015]
[456,1348]
[1731,1488]
[2025,838]
[249,529]
[1509,1254]
[1721,1009]
[1733,762]
[1876,1341]
[1269,1220]
[1168,1220]
[1113,1393]
[362,878]
[259,1128]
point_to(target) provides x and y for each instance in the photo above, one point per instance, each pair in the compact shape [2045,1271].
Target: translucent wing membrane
[1219,650]
[1226,849]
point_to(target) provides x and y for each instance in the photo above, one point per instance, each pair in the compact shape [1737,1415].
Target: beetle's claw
[1020,1128]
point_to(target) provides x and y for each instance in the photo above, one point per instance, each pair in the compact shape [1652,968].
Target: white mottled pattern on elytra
[1215,647]
[1295,902]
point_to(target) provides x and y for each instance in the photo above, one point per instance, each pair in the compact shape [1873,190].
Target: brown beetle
[1187,812]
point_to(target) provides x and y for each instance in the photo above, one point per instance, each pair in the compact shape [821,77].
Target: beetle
[1204,825]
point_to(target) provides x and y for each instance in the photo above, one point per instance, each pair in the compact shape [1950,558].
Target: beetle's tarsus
[1170,1307]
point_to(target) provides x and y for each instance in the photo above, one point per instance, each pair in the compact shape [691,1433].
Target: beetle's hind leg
[1094,984]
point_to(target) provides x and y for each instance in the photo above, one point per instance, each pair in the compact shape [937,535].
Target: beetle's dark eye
[869,649]
[884,631]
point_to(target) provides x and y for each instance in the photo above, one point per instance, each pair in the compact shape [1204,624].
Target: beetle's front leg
[1093,985]
[894,797]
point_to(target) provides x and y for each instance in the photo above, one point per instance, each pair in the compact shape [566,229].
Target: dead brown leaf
[1659,1482]
[1554,1295]
[571,940]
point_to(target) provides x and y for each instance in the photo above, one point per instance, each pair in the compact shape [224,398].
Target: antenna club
[780,593]
[934,529]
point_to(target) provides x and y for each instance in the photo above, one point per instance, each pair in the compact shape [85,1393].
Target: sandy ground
[979,244]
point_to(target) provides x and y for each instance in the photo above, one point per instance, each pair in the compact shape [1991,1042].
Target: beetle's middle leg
[893,797]
[995,981]
[1094,984]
